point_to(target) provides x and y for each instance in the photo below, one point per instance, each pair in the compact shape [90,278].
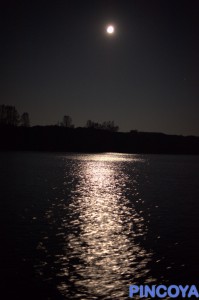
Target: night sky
[57,59]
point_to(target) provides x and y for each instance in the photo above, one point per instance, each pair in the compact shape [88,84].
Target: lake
[86,226]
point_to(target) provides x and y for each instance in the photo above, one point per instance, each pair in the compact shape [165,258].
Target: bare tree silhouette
[25,120]
[8,115]
[67,122]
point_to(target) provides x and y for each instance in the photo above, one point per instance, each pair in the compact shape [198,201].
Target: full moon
[110,29]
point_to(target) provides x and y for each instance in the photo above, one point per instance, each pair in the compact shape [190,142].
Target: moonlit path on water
[98,230]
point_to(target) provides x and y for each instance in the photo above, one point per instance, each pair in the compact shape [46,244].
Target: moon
[110,29]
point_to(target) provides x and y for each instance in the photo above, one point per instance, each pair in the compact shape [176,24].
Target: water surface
[87,226]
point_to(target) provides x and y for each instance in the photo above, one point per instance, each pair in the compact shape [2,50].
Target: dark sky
[56,59]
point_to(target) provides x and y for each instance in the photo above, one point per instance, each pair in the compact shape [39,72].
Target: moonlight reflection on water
[97,254]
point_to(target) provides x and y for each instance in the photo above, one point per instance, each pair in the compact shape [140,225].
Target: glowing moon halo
[110,29]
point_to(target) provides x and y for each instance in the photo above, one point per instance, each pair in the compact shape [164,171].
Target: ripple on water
[93,249]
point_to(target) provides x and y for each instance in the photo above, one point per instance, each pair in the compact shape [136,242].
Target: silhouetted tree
[25,120]
[9,115]
[67,122]
[107,125]
[91,124]
[110,125]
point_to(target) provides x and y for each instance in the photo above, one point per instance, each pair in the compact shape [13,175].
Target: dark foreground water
[87,226]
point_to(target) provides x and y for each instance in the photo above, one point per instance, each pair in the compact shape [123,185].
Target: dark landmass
[56,138]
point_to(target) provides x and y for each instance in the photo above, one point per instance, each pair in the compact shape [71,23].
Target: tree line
[107,125]
[93,137]
[9,116]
